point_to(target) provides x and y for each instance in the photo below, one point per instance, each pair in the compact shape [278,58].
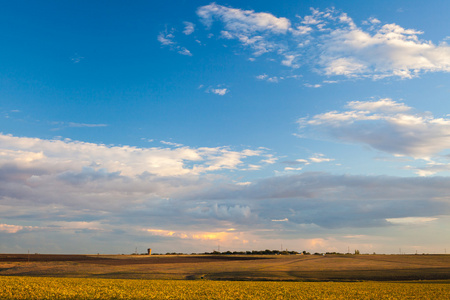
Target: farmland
[224,277]
[82,288]
[275,268]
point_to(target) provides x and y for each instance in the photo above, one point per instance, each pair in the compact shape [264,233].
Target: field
[224,277]
[83,288]
[230,267]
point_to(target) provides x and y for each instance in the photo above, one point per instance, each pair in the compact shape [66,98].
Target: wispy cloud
[297,165]
[188,28]
[72,124]
[76,58]
[167,38]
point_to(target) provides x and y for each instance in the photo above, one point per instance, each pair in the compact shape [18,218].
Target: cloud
[72,124]
[385,125]
[410,220]
[316,158]
[76,58]
[288,61]
[54,156]
[338,201]
[430,169]
[331,42]
[390,50]
[252,29]
[170,195]
[188,28]
[265,77]
[317,85]
[220,92]
[7,228]
[167,38]
[237,20]
[184,51]
[171,144]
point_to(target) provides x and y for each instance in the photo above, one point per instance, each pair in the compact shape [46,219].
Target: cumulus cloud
[385,125]
[332,42]
[57,155]
[169,194]
[388,50]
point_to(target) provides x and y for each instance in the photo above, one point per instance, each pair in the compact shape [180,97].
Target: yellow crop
[87,288]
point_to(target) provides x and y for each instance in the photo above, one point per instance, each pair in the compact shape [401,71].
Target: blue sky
[182,125]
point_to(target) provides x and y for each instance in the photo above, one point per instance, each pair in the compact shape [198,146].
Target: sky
[193,126]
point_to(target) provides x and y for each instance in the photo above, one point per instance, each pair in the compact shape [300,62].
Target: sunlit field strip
[82,288]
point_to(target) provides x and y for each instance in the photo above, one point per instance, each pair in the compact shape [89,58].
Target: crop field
[259,268]
[224,277]
[88,288]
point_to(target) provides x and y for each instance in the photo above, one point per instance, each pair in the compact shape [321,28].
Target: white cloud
[341,47]
[390,50]
[385,125]
[252,29]
[184,51]
[56,156]
[385,105]
[166,38]
[288,61]
[319,158]
[237,20]
[171,144]
[293,169]
[220,92]
[410,220]
[316,158]
[317,85]
[188,28]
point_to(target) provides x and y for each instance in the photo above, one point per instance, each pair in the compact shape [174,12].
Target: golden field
[89,288]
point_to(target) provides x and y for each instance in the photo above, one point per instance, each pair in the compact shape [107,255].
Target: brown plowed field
[120,260]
